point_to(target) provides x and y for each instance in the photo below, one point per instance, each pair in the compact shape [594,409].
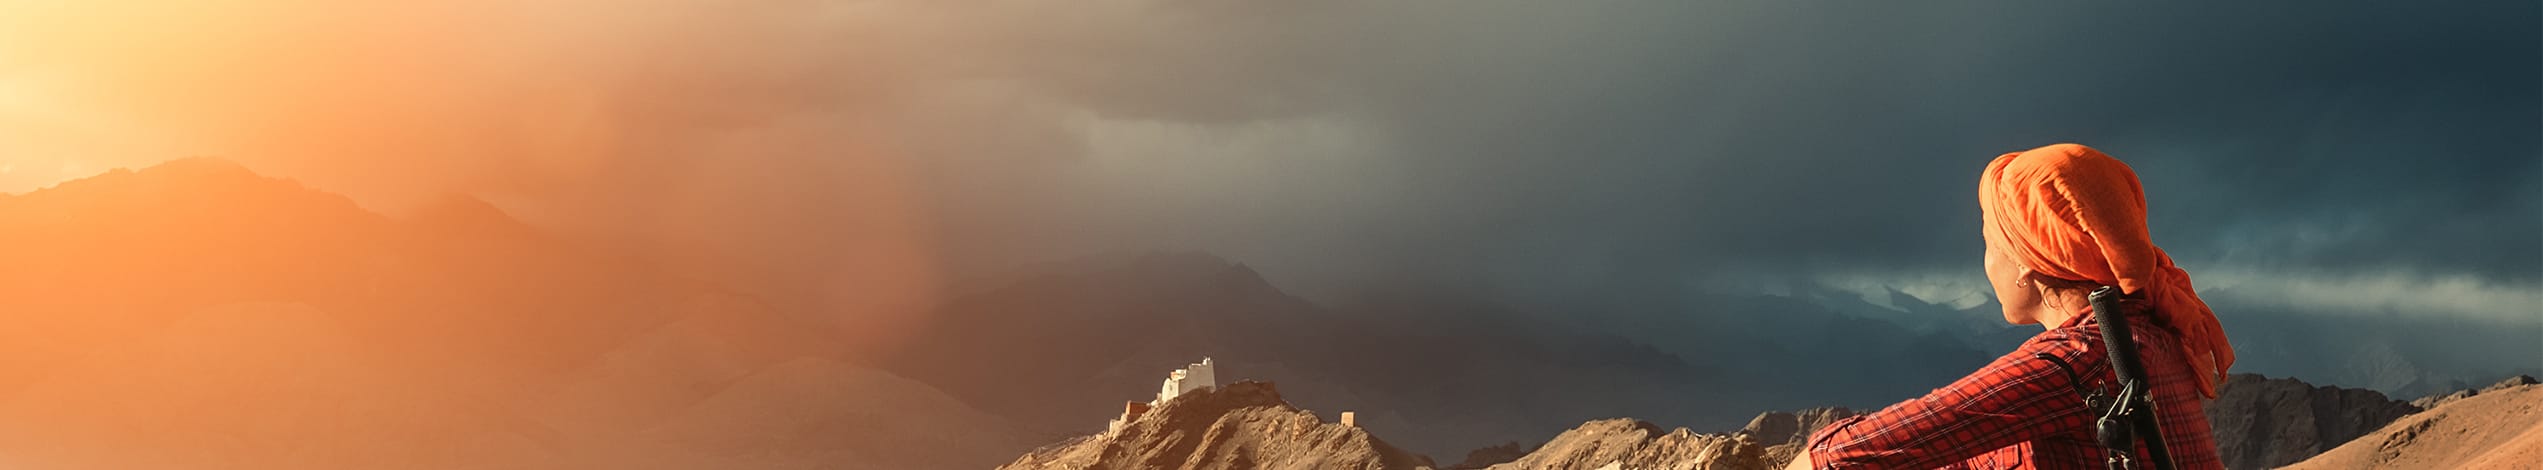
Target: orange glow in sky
[373,279]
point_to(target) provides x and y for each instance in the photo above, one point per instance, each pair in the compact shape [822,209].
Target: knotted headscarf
[2070,212]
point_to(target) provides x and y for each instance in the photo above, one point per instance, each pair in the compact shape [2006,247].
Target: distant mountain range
[1096,331]
[197,315]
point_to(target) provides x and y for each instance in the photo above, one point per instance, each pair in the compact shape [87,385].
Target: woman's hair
[2057,283]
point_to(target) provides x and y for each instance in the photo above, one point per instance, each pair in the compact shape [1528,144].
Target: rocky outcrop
[1490,456]
[1243,425]
[1776,427]
[1769,440]
[1636,444]
[1785,434]
[2433,401]
[2519,380]
[2261,422]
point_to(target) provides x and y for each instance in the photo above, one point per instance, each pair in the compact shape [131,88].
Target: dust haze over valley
[699,235]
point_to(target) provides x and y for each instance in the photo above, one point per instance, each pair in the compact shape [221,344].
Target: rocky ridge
[2433,401]
[1631,443]
[1768,441]
[2261,422]
[1785,434]
[1243,425]
[1492,455]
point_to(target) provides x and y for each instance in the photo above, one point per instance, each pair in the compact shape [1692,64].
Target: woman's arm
[2017,398]
[1800,461]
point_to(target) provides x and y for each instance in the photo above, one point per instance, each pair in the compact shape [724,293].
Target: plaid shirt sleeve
[2016,399]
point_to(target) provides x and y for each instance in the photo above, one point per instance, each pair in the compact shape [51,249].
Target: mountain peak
[1241,425]
[2261,422]
[169,175]
[1197,269]
[463,213]
[192,193]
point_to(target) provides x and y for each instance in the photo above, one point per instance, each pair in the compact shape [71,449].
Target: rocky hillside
[1784,434]
[1630,443]
[1492,455]
[2500,427]
[1243,425]
[1769,440]
[2262,423]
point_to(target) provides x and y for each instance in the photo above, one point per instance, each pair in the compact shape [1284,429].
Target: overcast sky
[2366,156]
[2342,158]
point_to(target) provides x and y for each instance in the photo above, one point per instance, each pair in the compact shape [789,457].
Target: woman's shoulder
[2082,340]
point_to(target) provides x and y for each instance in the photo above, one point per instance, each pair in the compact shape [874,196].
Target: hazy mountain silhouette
[197,315]
[1435,374]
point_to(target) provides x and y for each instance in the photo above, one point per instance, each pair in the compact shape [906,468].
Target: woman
[2058,221]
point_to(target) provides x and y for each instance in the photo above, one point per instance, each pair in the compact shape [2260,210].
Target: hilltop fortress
[1191,377]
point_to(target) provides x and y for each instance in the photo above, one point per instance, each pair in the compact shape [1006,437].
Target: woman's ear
[2009,279]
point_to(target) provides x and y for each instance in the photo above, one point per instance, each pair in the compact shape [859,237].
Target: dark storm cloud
[1548,152]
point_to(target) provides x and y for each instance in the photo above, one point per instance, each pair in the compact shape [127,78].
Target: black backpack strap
[2095,402]
[2071,378]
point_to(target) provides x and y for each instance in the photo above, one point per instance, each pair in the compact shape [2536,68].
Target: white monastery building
[1191,377]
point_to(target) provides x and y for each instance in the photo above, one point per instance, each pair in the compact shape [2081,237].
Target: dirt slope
[2497,429]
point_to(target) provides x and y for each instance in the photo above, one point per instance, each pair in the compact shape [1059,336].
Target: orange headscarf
[2070,212]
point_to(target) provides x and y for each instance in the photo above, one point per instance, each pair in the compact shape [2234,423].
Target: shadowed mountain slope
[1093,336]
[2262,423]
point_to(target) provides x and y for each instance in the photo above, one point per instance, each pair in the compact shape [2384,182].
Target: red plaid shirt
[2023,412]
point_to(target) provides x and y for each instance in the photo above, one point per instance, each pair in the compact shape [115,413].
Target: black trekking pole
[2131,416]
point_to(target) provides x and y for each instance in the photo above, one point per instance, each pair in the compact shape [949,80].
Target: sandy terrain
[2500,429]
